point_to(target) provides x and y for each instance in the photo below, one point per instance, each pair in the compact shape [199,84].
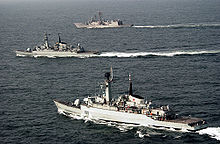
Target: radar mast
[46,43]
[109,79]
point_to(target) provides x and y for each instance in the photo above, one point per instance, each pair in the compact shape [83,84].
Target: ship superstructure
[59,49]
[128,109]
[99,22]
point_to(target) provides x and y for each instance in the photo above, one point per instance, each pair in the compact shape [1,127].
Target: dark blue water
[189,81]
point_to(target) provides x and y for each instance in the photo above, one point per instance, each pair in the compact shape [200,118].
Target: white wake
[213,132]
[189,25]
[144,54]
[136,54]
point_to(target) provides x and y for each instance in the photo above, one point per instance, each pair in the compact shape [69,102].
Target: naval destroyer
[99,22]
[128,109]
[59,49]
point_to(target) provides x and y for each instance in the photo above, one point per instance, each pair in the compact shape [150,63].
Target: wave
[189,25]
[213,132]
[144,54]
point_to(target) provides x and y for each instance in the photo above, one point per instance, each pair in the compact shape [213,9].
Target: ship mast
[109,79]
[59,39]
[46,43]
[100,16]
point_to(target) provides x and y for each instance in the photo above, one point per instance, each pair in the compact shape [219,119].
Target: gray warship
[99,22]
[59,49]
[128,109]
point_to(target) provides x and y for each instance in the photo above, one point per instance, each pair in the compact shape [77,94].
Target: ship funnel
[130,85]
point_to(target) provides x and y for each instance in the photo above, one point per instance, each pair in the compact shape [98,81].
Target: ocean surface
[172,52]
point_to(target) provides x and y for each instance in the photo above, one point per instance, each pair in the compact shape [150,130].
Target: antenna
[111,70]
[130,85]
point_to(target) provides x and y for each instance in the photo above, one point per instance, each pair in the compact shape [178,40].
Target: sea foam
[165,54]
[213,132]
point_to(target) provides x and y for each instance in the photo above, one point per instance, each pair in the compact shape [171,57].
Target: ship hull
[136,119]
[124,117]
[81,25]
[49,53]
[66,109]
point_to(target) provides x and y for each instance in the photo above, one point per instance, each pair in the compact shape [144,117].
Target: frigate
[99,22]
[128,109]
[59,49]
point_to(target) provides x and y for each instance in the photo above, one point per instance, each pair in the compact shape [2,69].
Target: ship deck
[185,120]
[66,103]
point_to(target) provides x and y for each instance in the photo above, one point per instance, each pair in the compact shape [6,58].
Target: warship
[128,109]
[99,22]
[59,49]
